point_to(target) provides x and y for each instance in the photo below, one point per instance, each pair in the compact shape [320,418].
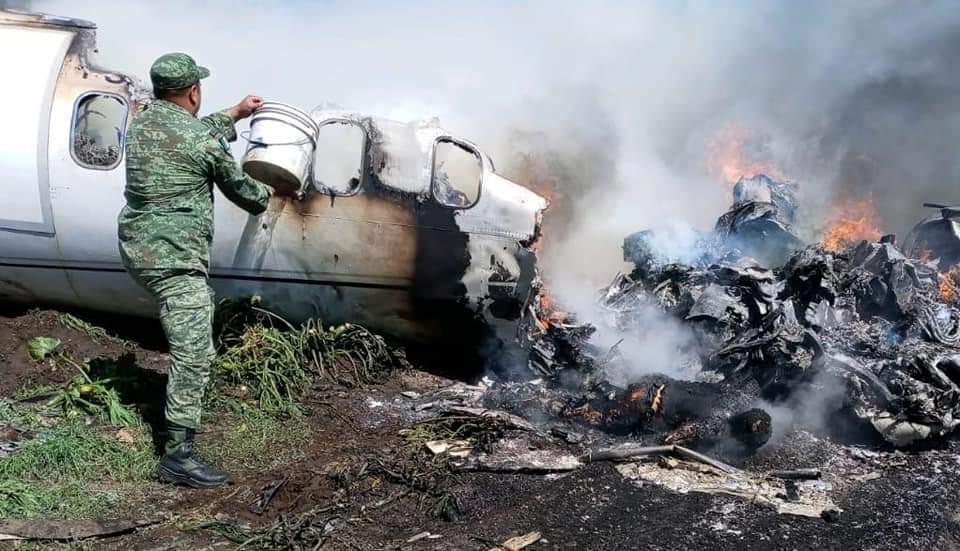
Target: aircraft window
[98,126]
[338,161]
[457,171]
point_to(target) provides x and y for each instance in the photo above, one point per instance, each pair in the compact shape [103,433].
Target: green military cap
[176,71]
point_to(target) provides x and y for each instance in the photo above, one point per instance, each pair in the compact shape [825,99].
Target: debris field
[811,406]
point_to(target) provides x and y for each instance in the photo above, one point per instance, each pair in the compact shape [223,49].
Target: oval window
[457,172]
[98,126]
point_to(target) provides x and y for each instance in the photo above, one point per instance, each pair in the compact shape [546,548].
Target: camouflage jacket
[173,161]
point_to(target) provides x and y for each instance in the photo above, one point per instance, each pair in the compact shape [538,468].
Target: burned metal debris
[758,225]
[760,222]
[868,321]
[936,237]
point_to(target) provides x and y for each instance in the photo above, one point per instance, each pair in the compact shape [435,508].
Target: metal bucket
[282,141]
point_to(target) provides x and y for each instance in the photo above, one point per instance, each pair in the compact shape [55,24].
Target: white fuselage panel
[31,61]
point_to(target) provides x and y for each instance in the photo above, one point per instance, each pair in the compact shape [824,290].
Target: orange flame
[852,222]
[547,313]
[734,154]
[533,172]
[948,287]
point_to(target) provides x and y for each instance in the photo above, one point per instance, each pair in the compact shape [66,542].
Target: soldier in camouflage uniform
[165,233]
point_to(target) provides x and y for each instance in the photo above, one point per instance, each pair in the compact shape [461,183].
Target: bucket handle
[245,135]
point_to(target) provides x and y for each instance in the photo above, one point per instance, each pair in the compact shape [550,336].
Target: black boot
[180,466]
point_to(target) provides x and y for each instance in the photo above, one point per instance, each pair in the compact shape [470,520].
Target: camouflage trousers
[186,314]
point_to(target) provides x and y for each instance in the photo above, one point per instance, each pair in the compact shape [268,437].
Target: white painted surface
[505,209]
[30,62]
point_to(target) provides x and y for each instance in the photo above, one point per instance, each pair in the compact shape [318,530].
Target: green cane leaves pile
[348,354]
[263,363]
[82,395]
[273,363]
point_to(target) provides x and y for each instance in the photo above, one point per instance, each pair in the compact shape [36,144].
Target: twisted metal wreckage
[866,335]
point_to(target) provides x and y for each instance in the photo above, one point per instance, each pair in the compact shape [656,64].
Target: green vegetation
[73,322]
[265,360]
[241,437]
[85,451]
[348,354]
[16,415]
[78,450]
[72,471]
[234,316]
[273,363]
[83,394]
[66,465]
[41,347]
[93,397]
[47,546]
[28,393]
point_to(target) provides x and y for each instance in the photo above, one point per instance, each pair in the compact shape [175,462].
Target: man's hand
[288,194]
[245,108]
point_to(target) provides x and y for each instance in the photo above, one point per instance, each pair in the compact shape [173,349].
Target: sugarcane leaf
[41,347]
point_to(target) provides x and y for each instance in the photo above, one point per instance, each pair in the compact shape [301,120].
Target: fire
[736,152]
[547,314]
[534,172]
[949,292]
[852,222]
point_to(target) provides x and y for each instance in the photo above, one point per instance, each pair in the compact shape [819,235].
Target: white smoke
[861,97]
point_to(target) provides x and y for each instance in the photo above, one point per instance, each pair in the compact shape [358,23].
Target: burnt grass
[350,472]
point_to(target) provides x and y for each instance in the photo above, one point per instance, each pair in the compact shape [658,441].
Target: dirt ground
[344,473]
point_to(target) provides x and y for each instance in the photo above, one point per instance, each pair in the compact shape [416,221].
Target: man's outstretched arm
[242,190]
[222,122]
[247,193]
